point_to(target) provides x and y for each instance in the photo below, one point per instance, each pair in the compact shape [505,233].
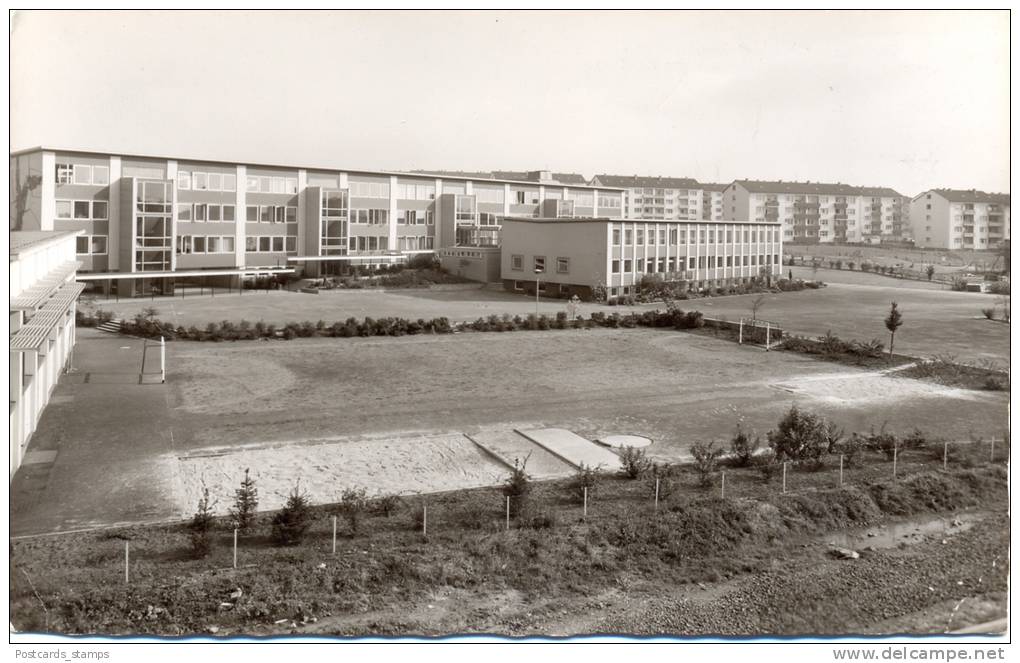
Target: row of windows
[82,174]
[204,244]
[654,237]
[205,212]
[264,184]
[370,216]
[700,262]
[538,264]
[270,214]
[416,218]
[369,189]
[415,243]
[270,244]
[82,209]
[90,245]
[209,181]
[416,191]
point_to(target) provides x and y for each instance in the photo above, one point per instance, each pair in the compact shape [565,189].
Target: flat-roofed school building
[150,222]
[575,256]
[42,311]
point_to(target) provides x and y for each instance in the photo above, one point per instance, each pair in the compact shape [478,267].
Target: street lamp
[538,270]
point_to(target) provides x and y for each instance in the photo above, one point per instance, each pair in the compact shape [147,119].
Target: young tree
[930,271]
[893,321]
[246,503]
[756,305]
[353,502]
[706,461]
[517,487]
[200,525]
[634,462]
[292,521]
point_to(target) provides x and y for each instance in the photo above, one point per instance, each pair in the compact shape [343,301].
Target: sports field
[122,447]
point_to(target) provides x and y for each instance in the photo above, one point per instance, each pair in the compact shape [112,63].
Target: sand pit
[855,389]
[400,465]
[621,441]
[573,448]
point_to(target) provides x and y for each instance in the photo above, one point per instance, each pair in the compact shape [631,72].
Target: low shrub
[586,476]
[517,487]
[352,504]
[634,462]
[743,448]
[291,523]
[706,461]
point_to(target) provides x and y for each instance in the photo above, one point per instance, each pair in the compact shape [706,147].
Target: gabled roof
[972,196]
[712,186]
[574,179]
[647,182]
[815,188]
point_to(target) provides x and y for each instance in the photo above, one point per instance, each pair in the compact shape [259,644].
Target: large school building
[150,223]
[566,257]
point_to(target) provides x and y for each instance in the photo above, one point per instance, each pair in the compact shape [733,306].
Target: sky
[911,100]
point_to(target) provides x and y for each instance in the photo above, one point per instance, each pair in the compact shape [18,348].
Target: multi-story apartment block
[960,219]
[149,222]
[44,296]
[663,198]
[815,212]
[712,201]
[574,256]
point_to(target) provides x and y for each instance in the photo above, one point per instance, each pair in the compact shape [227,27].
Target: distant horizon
[866,98]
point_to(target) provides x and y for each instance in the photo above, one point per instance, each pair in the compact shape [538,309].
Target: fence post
[235,547]
[656,493]
[127,568]
[162,359]
[768,336]
[740,334]
[945,456]
[784,476]
[508,513]
[722,487]
[585,489]
[841,469]
[424,520]
[334,535]
[895,454]
[991,457]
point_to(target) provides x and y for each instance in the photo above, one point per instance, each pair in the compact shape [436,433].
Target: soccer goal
[762,333]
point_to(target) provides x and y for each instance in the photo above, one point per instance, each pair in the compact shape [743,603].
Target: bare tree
[756,305]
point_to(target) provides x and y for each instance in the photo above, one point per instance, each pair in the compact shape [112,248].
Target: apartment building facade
[960,219]
[43,300]
[148,222]
[817,212]
[665,198]
[712,195]
[576,256]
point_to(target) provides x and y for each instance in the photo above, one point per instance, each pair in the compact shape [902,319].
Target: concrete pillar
[117,216]
[48,202]
[241,216]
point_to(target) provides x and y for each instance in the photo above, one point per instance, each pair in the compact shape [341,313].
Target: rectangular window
[251,244]
[200,211]
[198,244]
[279,185]
[640,265]
[563,265]
[228,212]
[616,236]
[628,266]
[539,264]
[278,245]
[82,174]
[616,267]
[184,212]
[517,263]
[81,245]
[265,213]
[230,182]
[430,219]
[65,173]
[410,217]
[291,244]
[291,185]
[252,184]
[279,214]
[252,213]
[200,182]
[99,209]
[101,175]
[183,180]
[640,236]
[228,245]
[291,215]
[628,237]
[81,209]
[63,209]
[215,181]
[265,244]
[266,184]
[214,213]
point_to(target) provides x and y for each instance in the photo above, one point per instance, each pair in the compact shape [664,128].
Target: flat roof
[23,241]
[43,148]
[102,276]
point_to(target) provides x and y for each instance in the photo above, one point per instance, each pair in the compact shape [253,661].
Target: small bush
[742,448]
[766,465]
[634,462]
[666,476]
[800,437]
[353,502]
[291,523]
[387,505]
[706,461]
[517,487]
[586,476]
[989,312]
[851,449]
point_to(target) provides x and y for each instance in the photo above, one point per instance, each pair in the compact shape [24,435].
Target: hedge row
[245,330]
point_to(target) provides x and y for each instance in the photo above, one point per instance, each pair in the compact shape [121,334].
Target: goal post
[762,333]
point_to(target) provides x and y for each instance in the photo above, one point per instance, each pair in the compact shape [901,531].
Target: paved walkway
[106,431]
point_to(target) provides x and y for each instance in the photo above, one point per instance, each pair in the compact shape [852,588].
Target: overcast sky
[911,100]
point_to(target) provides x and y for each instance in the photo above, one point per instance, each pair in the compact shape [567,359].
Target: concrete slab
[573,448]
[511,446]
[621,441]
[39,457]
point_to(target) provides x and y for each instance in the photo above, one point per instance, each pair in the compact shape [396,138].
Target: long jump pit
[401,465]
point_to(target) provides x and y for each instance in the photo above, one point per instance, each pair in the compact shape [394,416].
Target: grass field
[118,442]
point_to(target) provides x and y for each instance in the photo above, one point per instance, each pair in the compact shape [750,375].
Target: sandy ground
[323,469]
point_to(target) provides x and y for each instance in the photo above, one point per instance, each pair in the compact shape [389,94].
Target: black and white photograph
[343,326]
